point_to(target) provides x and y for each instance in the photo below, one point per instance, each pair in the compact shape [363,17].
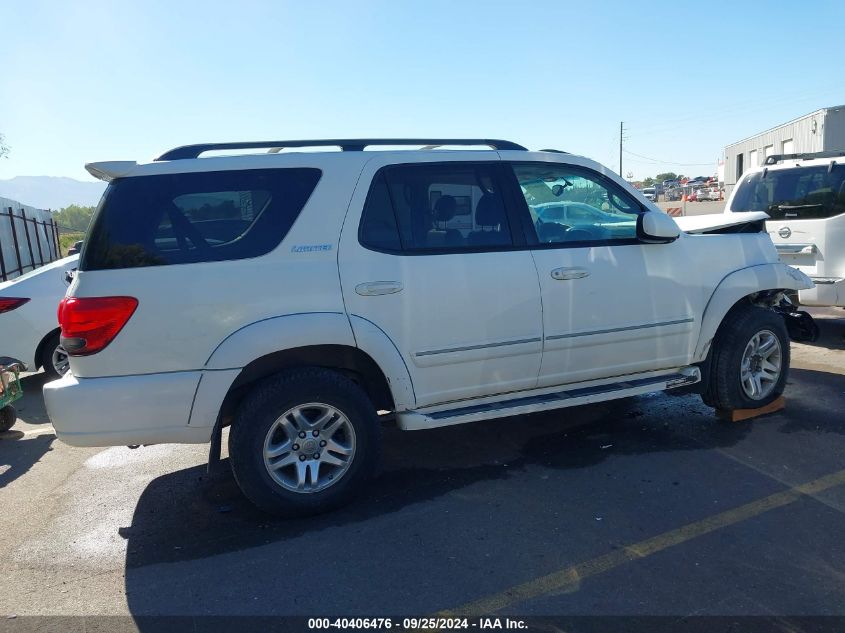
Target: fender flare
[739,284]
[290,331]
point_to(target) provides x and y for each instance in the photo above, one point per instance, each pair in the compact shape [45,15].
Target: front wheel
[750,360]
[304,441]
[8,417]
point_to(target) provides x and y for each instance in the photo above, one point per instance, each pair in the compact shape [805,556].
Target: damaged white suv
[307,298]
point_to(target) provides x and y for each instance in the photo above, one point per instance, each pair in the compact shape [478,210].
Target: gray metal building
[822,130]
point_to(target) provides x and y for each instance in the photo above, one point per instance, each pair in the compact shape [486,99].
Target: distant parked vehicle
[673,194]
[650,194]
[29,327]
[74,250]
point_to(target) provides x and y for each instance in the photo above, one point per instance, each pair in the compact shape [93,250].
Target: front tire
[8,417]
[750,361]
[304,441]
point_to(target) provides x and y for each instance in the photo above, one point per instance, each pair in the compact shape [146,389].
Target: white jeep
[306,298]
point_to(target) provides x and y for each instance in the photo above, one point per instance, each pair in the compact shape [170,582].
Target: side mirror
[655,227]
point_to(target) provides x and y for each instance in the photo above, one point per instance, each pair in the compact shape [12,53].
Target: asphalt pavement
[647,506]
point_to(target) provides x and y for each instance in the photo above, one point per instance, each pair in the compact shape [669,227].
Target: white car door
[432,262]
[611,305]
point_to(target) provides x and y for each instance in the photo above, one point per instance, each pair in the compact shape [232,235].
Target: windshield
[803,193]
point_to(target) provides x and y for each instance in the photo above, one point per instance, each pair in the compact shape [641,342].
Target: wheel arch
[746,285]
[313,339]
[39,350]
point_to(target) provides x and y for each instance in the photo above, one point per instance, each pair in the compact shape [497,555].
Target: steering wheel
[551,232]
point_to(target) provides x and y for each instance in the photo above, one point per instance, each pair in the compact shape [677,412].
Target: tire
[738,368]
[340,425]
[53,357]
[8,417]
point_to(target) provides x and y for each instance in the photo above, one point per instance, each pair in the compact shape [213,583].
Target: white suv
[306,298]
[804,195]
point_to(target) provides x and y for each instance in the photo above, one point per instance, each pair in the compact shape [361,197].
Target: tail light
[7,304]
[89,324]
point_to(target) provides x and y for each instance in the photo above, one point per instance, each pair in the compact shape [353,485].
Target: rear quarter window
[195,217]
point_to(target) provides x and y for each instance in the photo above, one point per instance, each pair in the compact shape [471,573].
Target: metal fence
[26,242]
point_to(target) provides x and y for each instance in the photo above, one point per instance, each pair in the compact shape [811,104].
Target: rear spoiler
[109,170]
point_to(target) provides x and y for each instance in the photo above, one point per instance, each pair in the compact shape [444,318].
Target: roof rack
[347,145]
[775,158]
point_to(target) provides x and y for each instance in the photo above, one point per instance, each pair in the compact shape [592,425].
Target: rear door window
[800,193]
[195,217]
[436,207]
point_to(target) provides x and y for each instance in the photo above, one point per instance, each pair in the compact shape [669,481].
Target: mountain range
[52,192]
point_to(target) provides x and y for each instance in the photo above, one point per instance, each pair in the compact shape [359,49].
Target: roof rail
[347,145]
[556,151]
[775,158]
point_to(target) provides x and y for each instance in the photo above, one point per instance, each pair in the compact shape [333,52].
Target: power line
[666,162]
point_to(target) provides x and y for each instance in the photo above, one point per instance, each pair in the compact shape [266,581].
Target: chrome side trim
[468,348]
[619,329]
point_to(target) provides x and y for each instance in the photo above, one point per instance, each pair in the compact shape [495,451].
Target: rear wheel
[750,360]
[54,358]
[304,441]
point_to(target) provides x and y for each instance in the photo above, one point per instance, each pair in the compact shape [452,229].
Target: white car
[650,194]
[804,196]
[293,295]
[29,329]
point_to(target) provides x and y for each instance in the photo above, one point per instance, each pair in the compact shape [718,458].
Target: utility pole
[621,123]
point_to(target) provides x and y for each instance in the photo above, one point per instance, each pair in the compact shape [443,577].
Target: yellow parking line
[568,579]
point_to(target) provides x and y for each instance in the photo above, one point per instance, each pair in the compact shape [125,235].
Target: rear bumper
[827,292]
[116,411]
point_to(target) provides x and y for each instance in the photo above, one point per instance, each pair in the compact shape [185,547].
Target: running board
[416,420]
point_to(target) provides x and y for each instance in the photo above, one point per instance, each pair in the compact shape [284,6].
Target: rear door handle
[375,288]
[562,274]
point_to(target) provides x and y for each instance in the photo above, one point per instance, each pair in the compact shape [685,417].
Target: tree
[4,149]
[649,182]
[74,217]
[666,176]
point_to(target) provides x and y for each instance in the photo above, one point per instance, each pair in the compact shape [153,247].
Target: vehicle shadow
[186,515]
[192,522]
[19,451]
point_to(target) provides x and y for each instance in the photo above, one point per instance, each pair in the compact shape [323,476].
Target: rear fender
[288,332]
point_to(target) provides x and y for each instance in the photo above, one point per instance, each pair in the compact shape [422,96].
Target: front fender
[740,284]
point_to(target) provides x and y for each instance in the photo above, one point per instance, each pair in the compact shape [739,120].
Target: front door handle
[375,288]
[562,274]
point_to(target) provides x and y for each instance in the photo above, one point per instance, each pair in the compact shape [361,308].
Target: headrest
[489,211]
[444,208]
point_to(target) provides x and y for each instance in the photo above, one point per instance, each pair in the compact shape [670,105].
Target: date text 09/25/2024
[417,624]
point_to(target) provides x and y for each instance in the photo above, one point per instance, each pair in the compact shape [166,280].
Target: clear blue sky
[83,81]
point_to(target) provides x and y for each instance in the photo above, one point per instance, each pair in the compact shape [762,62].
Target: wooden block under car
[738,415]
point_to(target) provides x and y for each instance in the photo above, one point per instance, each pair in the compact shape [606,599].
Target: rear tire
[54,359]
[750,360]
[304,441]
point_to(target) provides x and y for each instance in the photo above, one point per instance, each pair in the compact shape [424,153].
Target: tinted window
[801,193]
[435,207]
[569,204]
[198,217]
